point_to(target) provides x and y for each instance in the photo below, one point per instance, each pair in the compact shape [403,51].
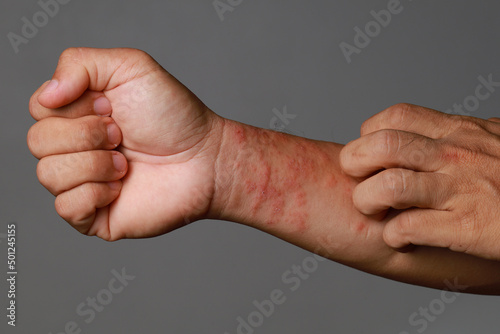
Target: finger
[422,227]
[81,69]
[494,125]
[90,103]
[78,206]
[57,135]
[410,118]
[402,189]
[389,149]
[59,173]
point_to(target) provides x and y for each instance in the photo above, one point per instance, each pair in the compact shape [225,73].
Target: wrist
[273,181]
[225,163]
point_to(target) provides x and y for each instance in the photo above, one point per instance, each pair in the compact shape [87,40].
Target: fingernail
[115,185]
[102,107]
[51,86]
[119,161]
[114,135]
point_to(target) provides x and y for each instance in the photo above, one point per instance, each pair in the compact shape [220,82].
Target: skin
[180,163]
[447,176]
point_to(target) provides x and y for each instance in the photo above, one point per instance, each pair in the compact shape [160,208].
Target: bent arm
[294,189]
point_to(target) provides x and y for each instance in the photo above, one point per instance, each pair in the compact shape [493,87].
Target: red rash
[360,227]
[240,134]
[278,196]
[457,157]
[332,181]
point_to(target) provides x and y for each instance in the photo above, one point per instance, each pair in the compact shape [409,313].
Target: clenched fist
[127,149]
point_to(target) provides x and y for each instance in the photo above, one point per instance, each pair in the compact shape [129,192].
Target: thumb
[81,69]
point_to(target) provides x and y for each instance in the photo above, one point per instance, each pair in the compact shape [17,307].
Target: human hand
[444,169]
[164,139]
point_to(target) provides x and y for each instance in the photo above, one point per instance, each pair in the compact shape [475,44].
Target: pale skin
[179,162]
[445,169]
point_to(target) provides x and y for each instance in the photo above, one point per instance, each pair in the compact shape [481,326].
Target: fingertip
[79,205]
[47,95]
[392,238]
[343,157]
[102,106]
[67,85]
[363,201]
[346,159]
[120,162]
[357,199]
[366,127]
[372,124]
[349,160]
[114,133]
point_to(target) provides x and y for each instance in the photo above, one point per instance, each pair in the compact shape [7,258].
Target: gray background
[264,55]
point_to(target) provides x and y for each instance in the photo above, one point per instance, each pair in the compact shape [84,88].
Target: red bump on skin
[457,157]
[278,204]
[250,186]
[240,135]
[360,226]
[301,199]
[347,188]
[299,221]
[301,167]
[262,187]
[332,181]
[290,183]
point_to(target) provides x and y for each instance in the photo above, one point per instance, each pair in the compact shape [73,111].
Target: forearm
[293,188]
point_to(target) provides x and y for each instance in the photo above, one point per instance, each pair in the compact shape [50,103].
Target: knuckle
[397,232]
[396,186]
[61,207]
[141,54]
[83,135]
[469,123]
[468,220]
[33,106]
[357,195]
[386,142]
[390,235]
[403,225]
[365,126]
[465,231]
[72,207]
[417,155]
[47,172]
[401,193]
[90,193]
[42,172]
[346,157]
[89,135]
[91,162]
[395,116]
[359,199]
[398,114]
[392,184]
[33,140]
[71,53]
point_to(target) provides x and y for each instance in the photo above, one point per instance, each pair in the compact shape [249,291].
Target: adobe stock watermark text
[31,25]
[365,35]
